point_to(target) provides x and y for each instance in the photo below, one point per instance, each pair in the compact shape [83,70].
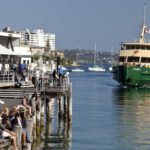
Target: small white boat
[77,70]
[96,68]
[110,68]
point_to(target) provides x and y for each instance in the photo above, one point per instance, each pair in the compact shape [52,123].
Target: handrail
[61,84]
[6,76]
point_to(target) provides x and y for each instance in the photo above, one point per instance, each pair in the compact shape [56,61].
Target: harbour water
[105,116]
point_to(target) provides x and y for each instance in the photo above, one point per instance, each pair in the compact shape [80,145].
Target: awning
[6,51]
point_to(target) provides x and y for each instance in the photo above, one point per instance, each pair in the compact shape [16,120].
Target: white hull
[77,70]
[96,69]
[110,68]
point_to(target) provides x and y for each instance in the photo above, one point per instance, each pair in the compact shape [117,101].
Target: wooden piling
[29,127]
[18,130]
[38,117]
[70,104]
[42,106]
[65,107]
[60,112]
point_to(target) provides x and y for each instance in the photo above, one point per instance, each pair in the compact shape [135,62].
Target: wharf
[47,91]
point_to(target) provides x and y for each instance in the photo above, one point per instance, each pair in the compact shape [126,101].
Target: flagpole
[141,40]
[144,13]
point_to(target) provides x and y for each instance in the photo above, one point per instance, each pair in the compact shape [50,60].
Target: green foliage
[66,62]
[48,57]
[36,57]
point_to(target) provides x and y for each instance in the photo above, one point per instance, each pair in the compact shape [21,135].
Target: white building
[25,44]
[37,38]
[49,38]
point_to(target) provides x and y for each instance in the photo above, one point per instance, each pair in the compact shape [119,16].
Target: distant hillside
[87,56]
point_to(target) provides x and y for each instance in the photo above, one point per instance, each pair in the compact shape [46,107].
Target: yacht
[96,67]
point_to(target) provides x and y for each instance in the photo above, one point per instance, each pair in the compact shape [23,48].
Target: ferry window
[127,47]
[133,59]
[122,59]
[143,47]
[145,60]
[130,47]
[138,47]
[148,47]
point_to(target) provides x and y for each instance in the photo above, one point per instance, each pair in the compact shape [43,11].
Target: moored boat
[77,70]
[96,67]
[110,68]
[133,68]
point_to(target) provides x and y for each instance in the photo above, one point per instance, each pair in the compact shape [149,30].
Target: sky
[78,23]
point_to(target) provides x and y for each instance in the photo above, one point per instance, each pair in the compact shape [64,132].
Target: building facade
[37,38]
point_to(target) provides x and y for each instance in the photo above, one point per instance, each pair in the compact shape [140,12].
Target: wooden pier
[48,91]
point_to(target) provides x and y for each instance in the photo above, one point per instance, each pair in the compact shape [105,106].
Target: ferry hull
[131,75]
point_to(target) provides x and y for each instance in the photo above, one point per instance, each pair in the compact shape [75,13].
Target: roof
[6,51]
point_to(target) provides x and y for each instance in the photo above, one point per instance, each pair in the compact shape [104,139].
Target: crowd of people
[10,118]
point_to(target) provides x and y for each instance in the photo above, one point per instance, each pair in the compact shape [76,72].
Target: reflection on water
[105,117]
[57,131]
[132,109]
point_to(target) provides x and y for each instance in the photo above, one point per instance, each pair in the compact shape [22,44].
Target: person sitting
[17,121]
[5,133]
[25,104]
[5,118]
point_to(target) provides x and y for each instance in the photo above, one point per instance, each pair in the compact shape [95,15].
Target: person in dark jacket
[17,121]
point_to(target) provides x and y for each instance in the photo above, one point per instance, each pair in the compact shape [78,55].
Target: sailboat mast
[95,53]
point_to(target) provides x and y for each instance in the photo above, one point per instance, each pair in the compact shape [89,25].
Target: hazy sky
[78,23]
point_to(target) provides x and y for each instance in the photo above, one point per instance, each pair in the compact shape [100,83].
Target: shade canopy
[6,51]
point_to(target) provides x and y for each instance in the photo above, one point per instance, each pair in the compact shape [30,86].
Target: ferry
[133,68]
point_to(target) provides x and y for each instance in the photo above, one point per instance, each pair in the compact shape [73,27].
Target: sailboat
[96,67]
[77,69]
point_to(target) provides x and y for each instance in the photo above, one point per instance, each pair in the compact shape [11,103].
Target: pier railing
[7,78]
[57,85]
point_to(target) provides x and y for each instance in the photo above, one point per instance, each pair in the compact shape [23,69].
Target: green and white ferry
[133,68]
